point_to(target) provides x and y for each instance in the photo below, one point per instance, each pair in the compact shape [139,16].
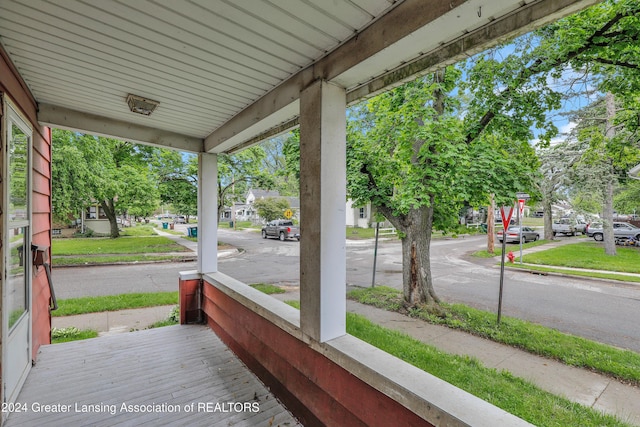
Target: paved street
[594,309]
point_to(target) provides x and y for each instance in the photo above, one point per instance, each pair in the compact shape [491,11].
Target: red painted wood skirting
[188,294]
[314,388]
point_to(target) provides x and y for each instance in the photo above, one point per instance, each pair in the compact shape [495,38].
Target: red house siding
[314,388]
[41,229]
[13,87]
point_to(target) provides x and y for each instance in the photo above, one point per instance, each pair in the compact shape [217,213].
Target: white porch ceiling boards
[224,71]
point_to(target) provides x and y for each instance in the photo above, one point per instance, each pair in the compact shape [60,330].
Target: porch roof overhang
[228,74]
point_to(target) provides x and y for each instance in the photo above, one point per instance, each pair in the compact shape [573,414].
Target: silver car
[513,235]
[620,230]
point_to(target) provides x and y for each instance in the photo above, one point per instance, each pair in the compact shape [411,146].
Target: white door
[16,252]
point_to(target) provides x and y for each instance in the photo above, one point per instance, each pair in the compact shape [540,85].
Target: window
[18,201]
[363,213]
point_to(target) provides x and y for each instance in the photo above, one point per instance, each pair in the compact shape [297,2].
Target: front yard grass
[59,335]
[581,273]
[511,247]
[515,395]
[122,245]
[536,339]
[73,306]
[588,255]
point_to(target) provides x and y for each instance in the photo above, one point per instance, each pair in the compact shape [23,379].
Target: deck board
[176,365]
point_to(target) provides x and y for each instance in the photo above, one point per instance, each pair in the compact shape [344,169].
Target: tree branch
[539,66]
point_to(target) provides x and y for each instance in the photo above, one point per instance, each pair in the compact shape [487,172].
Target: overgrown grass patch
[73,306]
[536,339]
[500,388]
[268,288]
[60,335]
[173,318]
[588,255]
[122,245]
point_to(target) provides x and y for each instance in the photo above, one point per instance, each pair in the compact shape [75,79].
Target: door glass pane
[18,146]
[17,274]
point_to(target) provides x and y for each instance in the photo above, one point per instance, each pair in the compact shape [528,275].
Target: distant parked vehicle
[620,230]
[282,229]
[180,219]
[513,235]
[569,227]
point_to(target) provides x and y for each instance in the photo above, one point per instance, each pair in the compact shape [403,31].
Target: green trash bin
[483,228]
[230,224]
[193,231]
[165,225]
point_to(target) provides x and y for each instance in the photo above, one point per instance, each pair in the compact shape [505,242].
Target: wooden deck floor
[178,375]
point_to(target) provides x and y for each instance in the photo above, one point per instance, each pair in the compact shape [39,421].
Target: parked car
[179,219]
[513,235]
[569,227]
[282,229]
[620,230]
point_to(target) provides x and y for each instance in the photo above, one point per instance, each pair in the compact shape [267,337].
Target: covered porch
[214,78]
[177,375]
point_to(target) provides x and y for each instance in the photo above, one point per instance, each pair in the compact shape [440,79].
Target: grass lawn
[138,231]
[267,288]
[71,334]
[513,394]
[588,255]
[122,245]
[116,259]
[73,306]
[513,247]
[597,275]
[536,339]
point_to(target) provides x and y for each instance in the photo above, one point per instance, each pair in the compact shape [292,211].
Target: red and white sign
[506,219]
[521,203]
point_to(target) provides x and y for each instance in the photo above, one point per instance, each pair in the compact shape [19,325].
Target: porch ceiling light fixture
[140,105]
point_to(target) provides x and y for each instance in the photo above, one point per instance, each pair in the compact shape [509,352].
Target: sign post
[506,219]
[288,213]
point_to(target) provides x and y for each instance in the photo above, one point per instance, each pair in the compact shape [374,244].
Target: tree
[113,173]
[408,155]
[555,167]
[276,164]
[178,177]
[412,155]
[271,208]
[610,149]
[70,174]
[238,172]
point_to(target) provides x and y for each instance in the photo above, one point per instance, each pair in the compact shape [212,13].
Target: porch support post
[207,213]
[322,207]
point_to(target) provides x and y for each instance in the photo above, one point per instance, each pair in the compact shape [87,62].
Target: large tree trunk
[491,226]
[607,211]
[547,217]
[416,267]
[607,223]
[110,211]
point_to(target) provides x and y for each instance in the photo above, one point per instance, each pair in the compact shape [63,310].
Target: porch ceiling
[228,73]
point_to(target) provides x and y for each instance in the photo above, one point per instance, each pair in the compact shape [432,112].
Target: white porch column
[207,213]
[322,211]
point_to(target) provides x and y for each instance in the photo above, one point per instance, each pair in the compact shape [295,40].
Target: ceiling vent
[140,105]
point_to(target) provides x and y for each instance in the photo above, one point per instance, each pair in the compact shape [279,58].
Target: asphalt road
[596,310]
